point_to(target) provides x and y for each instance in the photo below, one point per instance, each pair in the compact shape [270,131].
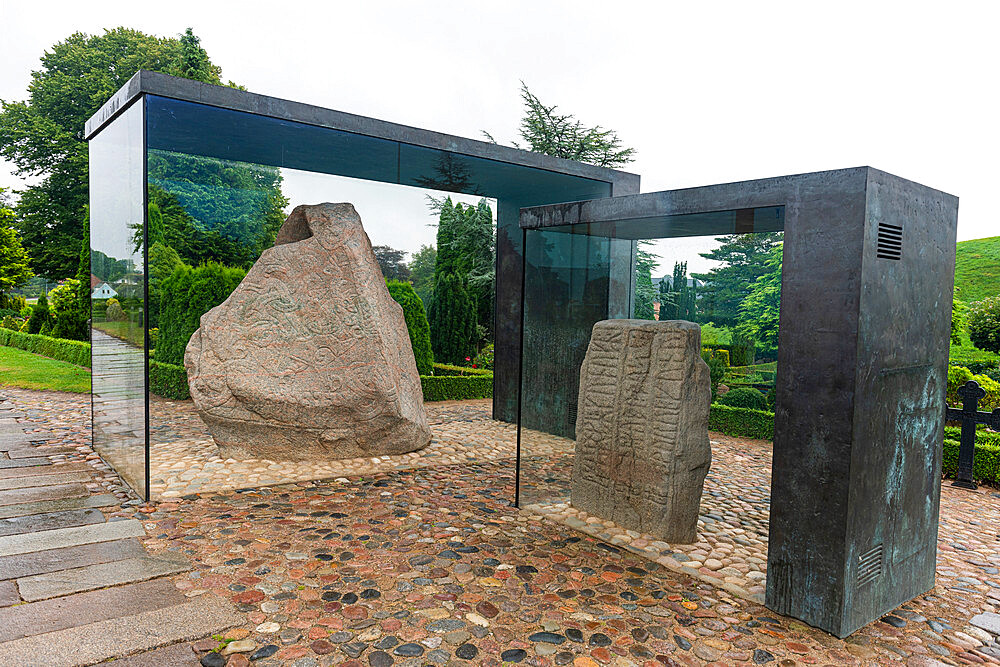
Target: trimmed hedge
[456,387]
[450,370]
[985,465]
[741,422]
[416,324]
[168,380]
[71,351]
[744,397]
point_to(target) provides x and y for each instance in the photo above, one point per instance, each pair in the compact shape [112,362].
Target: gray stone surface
[25,463]
[100,575]
[642,449]
[28,481]
[59,469]
[115,637]
[8,594]
[988,621]
[31,451]
[68,537]
[65,558]
[309,358]
[57,491]
[35,618]
[49,520]
[58,505]
[175,655]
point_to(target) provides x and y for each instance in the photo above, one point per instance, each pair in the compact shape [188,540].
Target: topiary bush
[168,380]
[456,387]
[416,324]
[71,351]
[716,370]
[741,422]
[40,315]
[985,463]
[744,397]
[984,324]
[69,319]
[113,311]
[958,376]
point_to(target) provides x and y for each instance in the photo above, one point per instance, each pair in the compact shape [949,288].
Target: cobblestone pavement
[432,566]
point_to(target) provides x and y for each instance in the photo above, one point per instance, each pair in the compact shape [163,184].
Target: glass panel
[578,275]
[118,326]
[216,195]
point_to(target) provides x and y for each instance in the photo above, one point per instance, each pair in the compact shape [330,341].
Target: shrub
[722,355]
[184,297]
[744,397]
[416,324]
[772,399]
[716,371]
[484,359]
[40,315]
[741,352]
[71,351]
[741,422]
[12,322]
[958,376]
[12,302]
[456,387]
[985,464]
[984,324]
[168,380]
[69,319]
[113,311]
[448,369]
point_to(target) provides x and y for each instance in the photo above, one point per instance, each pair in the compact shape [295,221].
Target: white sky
[707,92]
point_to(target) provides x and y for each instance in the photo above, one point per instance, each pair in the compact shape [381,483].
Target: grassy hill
[977,269]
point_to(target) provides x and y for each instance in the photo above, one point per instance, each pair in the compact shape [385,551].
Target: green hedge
[985,465]
[448,369]
[416,324]
[71,351]
[168,380]
[456,387]
[741,422]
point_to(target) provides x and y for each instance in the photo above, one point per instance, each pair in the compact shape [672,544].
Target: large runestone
[309,357]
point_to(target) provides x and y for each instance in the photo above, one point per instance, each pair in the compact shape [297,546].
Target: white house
[103,291]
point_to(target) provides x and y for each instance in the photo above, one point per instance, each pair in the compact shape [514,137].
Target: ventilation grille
[870,565]
[890,241]
[572,413]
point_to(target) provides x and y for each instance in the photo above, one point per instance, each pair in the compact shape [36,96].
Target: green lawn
[31,371]
[977,269]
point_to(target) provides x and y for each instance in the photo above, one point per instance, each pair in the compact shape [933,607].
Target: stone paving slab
[52,469]
[67,537]
[48,521]
[27,452]
[175,655]
[34,618]
[66,558]
[100,575]
[8,594]
[97,642]
[9,441]
[21,496]
[24,463]
[58,505]
[30,481]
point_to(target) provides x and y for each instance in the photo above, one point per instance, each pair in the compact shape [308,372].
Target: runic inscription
[642,449]
[309,357]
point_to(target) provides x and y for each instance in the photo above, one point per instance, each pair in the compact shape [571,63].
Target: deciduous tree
[43,136]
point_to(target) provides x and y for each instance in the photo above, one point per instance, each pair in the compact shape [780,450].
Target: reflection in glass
[118,322]
[576,276]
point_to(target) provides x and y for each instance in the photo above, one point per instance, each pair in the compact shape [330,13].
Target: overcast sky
[708,92]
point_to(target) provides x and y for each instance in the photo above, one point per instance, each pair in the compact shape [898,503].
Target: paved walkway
[432,566]
[76,585]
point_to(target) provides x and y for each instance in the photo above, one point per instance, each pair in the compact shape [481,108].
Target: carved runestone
[309,357]
[642,449]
